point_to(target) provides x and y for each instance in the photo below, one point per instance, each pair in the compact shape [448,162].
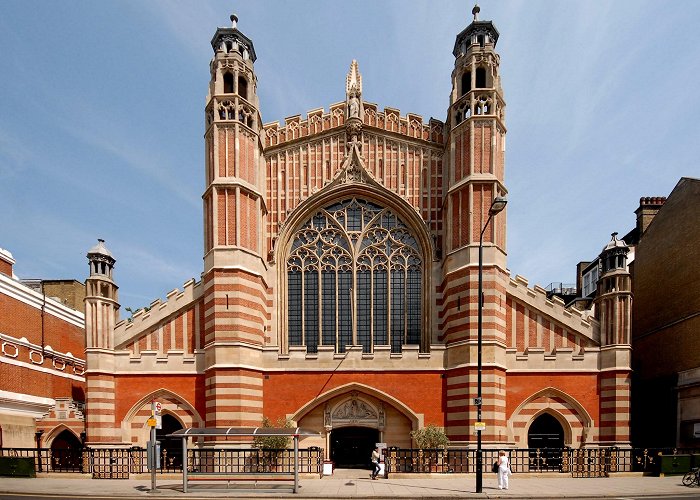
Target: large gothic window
[354,277]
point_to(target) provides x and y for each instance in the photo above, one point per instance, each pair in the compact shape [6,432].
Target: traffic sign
[158,406]
[151,422]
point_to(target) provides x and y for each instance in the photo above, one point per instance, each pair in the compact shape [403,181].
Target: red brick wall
[583,387]
[132,388]
[22,320]
[285,393]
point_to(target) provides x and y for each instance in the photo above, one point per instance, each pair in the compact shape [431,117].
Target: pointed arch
[416,419]
[48,437]
[574,418]
[134,426]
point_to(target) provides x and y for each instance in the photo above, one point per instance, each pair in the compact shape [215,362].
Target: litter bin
[17,467]
[675,464]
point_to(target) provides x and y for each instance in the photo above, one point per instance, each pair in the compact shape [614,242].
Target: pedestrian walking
[503,470]
[375,463]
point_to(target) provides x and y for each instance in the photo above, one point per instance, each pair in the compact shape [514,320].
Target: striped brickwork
[100,422]
[235,307]
[528,327]
[234,397]
[462,412]
[615,407]
[181,333]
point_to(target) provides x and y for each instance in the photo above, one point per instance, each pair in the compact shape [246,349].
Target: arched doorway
[66,452]
[170,448]
[351,447]
[545,438]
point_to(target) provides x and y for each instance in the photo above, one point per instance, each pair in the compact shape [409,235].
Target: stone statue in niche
[354,107]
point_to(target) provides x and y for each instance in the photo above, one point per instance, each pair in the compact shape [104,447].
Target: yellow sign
[151,422]
[479,426]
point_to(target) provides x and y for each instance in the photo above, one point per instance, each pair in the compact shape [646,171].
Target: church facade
[340,284]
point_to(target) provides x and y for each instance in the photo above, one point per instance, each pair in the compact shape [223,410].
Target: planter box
[17,467]
[675,464]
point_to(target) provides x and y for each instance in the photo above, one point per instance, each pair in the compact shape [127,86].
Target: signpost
[153,450]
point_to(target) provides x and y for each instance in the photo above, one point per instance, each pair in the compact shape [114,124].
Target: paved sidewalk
[454,485]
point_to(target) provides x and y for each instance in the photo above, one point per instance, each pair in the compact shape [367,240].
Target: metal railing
[579,462]
[118,463]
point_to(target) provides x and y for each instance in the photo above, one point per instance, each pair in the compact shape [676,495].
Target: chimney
[649,206]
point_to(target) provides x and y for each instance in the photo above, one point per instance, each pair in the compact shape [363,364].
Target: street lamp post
[498,204]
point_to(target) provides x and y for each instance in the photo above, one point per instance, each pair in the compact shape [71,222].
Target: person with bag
[375,463]
[503,470]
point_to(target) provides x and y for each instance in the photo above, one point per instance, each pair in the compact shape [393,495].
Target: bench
[257,478]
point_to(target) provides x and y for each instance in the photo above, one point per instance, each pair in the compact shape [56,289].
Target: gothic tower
[101,314]
[613,308]
[235,290]
[474,178]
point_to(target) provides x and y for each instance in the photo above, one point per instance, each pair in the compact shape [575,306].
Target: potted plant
[430,437]
[271,448]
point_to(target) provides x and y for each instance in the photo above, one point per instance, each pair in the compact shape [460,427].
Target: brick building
[42,385]
[340,281]
[667,393]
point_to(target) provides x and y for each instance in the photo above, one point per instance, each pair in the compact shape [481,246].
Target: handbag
[494,467]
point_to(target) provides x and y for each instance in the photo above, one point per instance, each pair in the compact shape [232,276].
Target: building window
[354,277]
[228,83]
[466,82]
[480,78]
[243,87]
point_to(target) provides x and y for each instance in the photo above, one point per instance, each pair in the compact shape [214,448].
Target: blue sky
[101,116]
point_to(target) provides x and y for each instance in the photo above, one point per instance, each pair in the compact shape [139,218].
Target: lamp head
[498,204]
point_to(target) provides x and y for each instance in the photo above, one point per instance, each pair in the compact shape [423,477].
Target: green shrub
[273,442]
[430,437]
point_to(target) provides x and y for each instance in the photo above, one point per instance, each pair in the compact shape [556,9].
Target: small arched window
[480,78]
[243,87]
[228,83]
[466,82]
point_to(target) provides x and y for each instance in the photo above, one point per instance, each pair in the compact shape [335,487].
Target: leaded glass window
[354,277]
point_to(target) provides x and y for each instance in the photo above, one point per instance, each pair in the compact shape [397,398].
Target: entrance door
[66,452]
[545,438]
[170,448]
[351,447]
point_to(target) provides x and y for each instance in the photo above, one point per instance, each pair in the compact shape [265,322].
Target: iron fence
[579,462]
[118,463]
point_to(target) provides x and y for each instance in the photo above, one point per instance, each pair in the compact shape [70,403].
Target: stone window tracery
[354,277]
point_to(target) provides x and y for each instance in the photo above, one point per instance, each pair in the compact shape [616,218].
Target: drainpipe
[43,310]
[38,434]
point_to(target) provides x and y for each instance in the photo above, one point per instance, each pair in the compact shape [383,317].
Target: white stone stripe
[105,384]
[92,405]
[25,343]
[234,402]
[234,415]
[56,373]
[219,391]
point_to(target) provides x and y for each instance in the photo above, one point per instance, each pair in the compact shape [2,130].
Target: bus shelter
[233,432]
